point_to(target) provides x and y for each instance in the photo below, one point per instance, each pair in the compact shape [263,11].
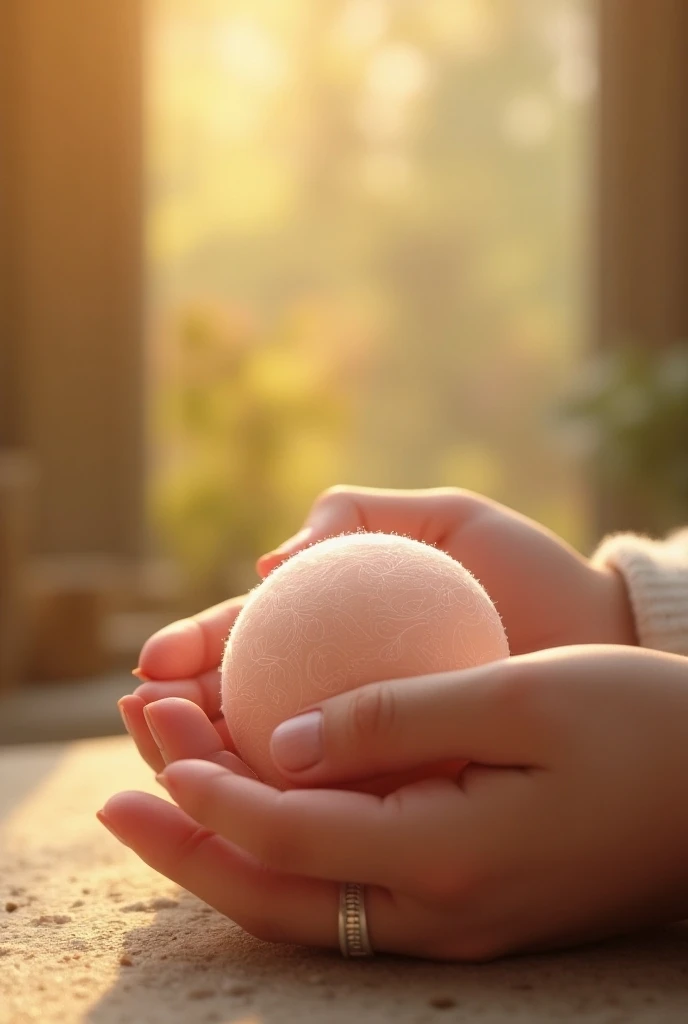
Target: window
[367,247]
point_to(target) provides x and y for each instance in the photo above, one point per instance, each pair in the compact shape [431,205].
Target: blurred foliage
[250,416]
[415,167]
[632,406]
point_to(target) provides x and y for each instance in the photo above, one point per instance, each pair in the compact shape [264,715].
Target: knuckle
[185,851]
[449,500]
[372,714]
[337,510]
[462,499]
[457,507]
[334,494]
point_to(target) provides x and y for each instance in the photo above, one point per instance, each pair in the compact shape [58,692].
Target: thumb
[336,511]
[424,515]
[478,715]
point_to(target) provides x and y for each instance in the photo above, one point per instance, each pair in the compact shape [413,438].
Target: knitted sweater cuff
[656,575]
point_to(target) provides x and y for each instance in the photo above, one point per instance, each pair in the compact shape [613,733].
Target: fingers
[488,714]
[182,730]
[333,835]
[190,647]
[204,690]
[273,907]
[425,515]
[174,728]
[131,709]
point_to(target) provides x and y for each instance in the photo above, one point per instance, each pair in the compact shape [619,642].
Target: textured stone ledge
[89,935]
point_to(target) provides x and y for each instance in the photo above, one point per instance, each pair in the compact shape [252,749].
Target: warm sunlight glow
[250,54]
[362,23]
[418,174]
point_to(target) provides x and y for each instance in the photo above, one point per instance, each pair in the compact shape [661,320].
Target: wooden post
[10,393]
[71,269]
[642,195]
[17,483]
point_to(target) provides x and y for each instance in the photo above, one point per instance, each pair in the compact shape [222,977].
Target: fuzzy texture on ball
[345,612]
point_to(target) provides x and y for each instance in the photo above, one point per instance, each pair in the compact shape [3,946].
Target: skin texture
[564,600]
[570,824]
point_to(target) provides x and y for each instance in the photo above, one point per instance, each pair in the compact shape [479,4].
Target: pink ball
[345,612]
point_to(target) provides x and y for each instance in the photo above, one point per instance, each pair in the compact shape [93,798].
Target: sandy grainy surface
[88,934]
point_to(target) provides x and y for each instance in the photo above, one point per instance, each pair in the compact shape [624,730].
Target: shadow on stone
[188,964]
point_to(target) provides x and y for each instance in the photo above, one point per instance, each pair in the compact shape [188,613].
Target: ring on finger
[354,940]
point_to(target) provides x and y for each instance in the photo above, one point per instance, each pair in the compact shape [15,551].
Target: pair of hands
[569,824]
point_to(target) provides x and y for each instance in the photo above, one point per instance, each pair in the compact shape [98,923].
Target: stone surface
[98,938]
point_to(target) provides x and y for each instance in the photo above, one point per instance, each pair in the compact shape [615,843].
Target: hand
[181,661]
[547,594]
[570,824]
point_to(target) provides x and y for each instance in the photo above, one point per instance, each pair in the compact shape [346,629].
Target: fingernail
[151,727]
[298,743]
[100,815]
[125,718]
[140,674]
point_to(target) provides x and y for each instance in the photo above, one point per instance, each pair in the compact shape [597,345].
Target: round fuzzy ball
[345,612]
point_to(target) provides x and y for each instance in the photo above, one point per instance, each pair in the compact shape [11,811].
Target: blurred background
[253,248]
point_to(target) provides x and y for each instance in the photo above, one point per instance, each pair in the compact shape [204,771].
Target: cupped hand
[547,594]
[176,728]
[181,661]
[570,823]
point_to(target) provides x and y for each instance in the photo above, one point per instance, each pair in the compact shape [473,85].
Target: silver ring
[354,940]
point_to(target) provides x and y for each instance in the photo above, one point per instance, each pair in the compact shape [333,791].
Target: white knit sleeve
[656,575]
